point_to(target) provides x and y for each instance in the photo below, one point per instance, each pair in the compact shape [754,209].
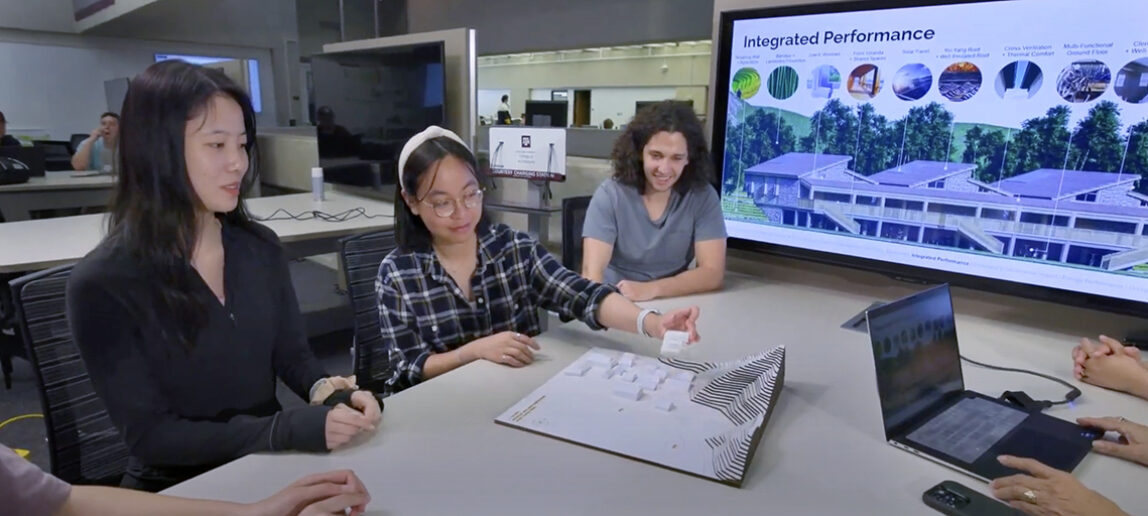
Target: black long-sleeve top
[183,411]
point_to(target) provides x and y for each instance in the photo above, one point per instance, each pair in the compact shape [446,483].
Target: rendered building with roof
[1077,217]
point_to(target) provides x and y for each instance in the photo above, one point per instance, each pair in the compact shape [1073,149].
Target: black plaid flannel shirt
[422,311]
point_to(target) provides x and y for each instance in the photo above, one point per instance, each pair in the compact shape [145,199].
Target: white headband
[433,131]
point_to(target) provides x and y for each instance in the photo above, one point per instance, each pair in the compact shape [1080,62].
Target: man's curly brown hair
[672,117]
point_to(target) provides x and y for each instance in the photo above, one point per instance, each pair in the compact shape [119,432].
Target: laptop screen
[915,350]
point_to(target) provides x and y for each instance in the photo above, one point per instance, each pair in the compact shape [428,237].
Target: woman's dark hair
[671,117]
[410,232]
[154,208]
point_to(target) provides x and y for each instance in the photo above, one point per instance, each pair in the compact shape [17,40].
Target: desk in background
[438,450]
[55,190]
[39,244]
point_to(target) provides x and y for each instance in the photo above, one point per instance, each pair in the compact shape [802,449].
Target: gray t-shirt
[647,249]
[27,490]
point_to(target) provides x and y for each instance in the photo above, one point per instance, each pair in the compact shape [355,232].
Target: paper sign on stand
[528,152]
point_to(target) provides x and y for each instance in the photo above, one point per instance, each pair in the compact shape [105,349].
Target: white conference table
[55,190]
[39,244]
[438,450]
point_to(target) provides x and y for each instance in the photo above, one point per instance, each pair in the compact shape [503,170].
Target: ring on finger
[505,358]
[1030,496]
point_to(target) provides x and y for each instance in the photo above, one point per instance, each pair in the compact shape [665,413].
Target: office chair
[11,346]
[77,139]
[83,444]
[359,256]
[573,213]
[57,154]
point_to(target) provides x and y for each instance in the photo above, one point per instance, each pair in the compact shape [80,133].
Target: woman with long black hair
[185,314]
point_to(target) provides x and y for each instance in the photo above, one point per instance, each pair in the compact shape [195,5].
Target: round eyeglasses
[445,206]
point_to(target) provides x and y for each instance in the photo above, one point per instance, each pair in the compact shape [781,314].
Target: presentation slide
[1004,139]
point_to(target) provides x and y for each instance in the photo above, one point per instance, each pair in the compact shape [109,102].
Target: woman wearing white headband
[459,289]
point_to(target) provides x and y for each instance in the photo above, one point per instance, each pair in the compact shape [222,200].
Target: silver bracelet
[642,319]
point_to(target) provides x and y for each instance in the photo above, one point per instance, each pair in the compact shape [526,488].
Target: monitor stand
[537,194]
[859,322]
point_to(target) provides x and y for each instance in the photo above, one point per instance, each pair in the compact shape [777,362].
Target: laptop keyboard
[968,429]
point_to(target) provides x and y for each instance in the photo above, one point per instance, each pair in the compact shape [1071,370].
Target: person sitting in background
[101,150]
[334,139]
[6,140]
[522,119]
[607,124]
[1111,365]
[646,224]
[28,491]
[502,115]
[459,289]
[184,314]
[1042,490]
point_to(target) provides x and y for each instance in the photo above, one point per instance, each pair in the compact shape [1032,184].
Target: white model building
[629,391]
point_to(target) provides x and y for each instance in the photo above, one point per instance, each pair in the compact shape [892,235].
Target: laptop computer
[927,410]
[30,159]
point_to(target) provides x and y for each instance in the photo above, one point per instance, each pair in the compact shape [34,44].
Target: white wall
[260,25]
[60,83]
[686,72]
[617,104]
[688,68]
[42,15]
[488,101]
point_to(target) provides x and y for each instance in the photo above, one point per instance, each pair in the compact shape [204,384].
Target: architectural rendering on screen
[1018,155]
[1029,192]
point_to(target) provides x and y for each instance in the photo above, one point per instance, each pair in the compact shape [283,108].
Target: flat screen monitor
[251,69]
[368,103]
[998,144]
[546,113]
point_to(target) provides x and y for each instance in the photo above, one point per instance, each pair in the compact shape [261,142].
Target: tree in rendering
[763,135]
[1097,144]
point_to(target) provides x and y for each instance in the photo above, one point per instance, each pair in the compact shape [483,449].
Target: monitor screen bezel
[381,180]
[942,290]
[895,270]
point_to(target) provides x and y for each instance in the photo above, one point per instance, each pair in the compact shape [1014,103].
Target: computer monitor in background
[910,138]
[368,103]
[546,113]
[243,71]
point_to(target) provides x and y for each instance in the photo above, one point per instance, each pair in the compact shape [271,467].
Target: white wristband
[315,387]
[642,319]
